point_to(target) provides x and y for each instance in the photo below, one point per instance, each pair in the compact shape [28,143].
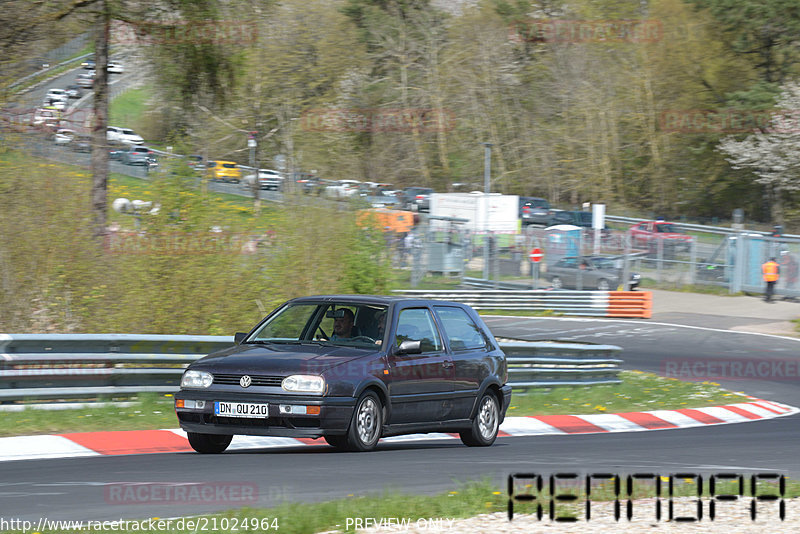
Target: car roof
[374,299]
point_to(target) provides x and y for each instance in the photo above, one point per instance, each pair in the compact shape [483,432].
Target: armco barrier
[38,367]
[632,304]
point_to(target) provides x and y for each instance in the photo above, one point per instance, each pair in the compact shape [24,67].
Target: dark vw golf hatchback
[351,369]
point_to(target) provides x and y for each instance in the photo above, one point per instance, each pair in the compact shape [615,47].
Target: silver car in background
[588,273]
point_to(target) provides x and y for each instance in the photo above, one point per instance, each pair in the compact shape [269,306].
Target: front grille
[257,380]
[272,422]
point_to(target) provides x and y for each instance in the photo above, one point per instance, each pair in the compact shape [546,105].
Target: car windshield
[128,132]
[335,323]
[229,165]
[603,263]
[667,228]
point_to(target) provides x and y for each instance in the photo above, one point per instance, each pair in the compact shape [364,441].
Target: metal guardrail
[695,227]
[40,367]
[64,366]
[543,364]
[44,71]
[582,303]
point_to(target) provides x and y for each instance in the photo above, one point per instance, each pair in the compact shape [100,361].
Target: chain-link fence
[730,260]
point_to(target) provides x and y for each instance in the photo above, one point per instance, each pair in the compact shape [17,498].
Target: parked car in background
[88,63]
[47,117]
[648,234]
[394,366]
[384,196]
[85,80]
[416,198]
[74,91]
[534,210]
[126,136]
[308,183]
[115,68]
[267,179]
[137,155]
[57,94]
[195,161]
[64,136]
[588,272]
[224,171]
[342,189]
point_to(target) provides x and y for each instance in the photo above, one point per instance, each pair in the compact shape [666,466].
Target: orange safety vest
[770,270]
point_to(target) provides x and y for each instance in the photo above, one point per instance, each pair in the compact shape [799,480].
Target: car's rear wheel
[366,424]
[209,443]
[556,282]
[485,425]
[603,285]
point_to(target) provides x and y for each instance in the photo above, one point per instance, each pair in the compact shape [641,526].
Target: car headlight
[196,379]
[304,383]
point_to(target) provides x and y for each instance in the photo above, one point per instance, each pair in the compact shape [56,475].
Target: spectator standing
[770,271]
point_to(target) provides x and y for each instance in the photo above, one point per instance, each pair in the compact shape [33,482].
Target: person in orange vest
[770,270]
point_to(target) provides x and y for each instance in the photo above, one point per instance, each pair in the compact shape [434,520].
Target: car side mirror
[238,337]
[409,347]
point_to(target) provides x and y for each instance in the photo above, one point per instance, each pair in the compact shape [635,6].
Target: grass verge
[129,106]
[638,392]
[148,411]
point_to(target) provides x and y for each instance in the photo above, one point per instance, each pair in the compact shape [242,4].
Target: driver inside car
[343,326]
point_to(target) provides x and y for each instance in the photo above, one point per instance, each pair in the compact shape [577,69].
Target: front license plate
[241,409]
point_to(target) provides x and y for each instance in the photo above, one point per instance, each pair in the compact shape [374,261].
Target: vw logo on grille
[245,381]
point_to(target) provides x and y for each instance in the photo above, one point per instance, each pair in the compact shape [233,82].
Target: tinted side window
[416,324]
[461,330]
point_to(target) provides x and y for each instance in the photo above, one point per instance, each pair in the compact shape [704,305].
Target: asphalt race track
[84,488]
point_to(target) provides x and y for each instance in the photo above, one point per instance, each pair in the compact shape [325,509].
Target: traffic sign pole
[535,256]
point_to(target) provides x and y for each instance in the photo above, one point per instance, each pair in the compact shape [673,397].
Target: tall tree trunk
[99,125]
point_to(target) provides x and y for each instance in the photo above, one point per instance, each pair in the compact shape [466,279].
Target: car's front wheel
[367,423]
[485,425]
[209,443]
[556,282]
[603,285]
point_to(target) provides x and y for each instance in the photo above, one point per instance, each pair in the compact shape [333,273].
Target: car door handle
[447,365]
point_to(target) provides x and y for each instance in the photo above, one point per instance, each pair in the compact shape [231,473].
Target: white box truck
[494,212]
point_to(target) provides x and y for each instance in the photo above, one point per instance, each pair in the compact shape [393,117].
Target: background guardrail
[42,367]
[634,304]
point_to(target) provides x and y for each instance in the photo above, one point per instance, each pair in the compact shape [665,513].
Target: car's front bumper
[333,419]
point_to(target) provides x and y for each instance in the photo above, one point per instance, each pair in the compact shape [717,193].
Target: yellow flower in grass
[600,408]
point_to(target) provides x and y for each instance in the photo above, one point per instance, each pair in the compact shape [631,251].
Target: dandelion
[600,408]
[567,398]
[497,493]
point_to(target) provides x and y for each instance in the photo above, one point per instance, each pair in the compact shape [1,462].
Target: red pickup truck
[647,234]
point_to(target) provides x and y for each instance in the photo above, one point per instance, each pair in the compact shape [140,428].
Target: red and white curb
[163,441]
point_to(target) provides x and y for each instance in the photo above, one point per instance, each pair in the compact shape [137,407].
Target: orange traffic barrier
[630,304]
